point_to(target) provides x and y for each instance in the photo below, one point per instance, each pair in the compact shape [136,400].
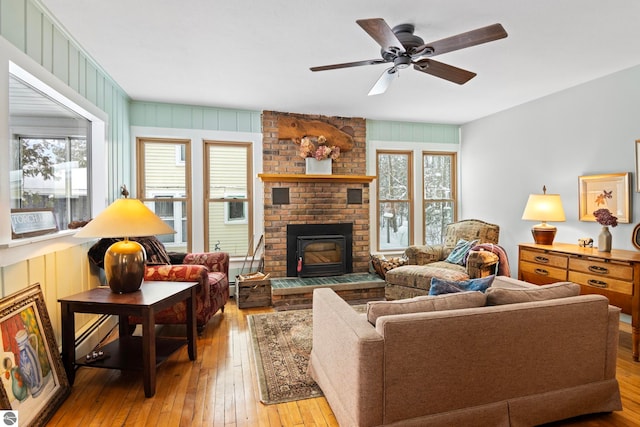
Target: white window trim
[25,68]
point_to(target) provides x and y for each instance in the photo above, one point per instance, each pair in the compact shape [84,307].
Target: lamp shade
[125,218]
[544,207]
[124,261]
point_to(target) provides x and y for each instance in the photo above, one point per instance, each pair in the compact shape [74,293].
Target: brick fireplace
[295,200]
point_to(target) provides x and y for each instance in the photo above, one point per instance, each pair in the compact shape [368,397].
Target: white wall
[586,130]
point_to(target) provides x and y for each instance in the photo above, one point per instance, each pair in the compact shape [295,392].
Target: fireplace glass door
[321,255]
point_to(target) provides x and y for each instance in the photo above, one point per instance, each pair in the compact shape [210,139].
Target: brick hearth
[312,202]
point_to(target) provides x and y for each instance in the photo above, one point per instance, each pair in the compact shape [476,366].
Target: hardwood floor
[220,389]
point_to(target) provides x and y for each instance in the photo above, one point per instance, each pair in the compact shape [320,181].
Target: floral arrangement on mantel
[320,152]
[605,218]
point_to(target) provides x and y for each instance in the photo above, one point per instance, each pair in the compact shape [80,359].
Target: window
[49,155]
[439,196]
[163,185]
[228,197]
[394,203]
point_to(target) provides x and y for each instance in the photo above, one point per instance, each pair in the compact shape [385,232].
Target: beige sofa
[520,364]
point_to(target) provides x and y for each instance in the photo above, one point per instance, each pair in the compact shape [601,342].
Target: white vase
[318,167]
[604,240]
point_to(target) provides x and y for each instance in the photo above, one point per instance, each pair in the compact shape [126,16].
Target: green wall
[27,25]
[412,132]
[154,114]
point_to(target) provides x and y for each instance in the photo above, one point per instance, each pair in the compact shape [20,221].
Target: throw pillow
[155,250]
[500,296]
[424,303]
[459,254]
[441,286]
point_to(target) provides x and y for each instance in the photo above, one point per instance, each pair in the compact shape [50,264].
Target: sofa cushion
[419,276]
[459,254]
[424,303]
[441,286]
[500,296]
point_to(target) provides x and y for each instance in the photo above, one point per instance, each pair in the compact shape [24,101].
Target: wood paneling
[412,132]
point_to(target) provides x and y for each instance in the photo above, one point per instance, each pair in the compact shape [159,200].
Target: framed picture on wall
[606,191]
[637,165]
[34,382]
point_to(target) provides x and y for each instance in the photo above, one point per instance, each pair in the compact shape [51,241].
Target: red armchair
[210,270]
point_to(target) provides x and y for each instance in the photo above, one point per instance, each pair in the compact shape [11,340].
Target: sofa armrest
[347,360]
[424,254]
[214,261]
[181,273]
[481,264]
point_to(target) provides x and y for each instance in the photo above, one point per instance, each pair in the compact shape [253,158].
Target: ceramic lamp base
[124,264]
[544,235]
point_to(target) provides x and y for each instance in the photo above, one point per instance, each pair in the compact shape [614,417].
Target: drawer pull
[599,270]
[597,283]
[541,259]
[541,271]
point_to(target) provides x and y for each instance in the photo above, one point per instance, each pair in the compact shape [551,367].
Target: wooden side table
[614,274]
[129,352]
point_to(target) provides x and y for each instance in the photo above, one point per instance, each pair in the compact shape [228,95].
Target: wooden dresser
[614,274]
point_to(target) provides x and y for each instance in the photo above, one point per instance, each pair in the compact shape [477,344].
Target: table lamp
[124,261]
[544,207]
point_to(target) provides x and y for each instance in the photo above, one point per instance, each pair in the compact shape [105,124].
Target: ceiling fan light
[402,62]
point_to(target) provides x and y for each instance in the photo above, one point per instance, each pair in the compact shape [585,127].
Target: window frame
[247,200]
[454,193]
[162,196]
[410,201]
[96,147]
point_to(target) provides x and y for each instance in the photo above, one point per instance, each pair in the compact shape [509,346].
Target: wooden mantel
[278,177]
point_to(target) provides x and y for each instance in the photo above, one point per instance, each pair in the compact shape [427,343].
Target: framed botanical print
[606,191]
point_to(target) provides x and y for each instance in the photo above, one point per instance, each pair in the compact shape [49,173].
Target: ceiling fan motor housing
[404,34]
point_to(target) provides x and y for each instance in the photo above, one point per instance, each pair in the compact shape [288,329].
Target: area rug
[281,344]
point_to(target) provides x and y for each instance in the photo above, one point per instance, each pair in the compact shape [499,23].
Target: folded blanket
[503,261]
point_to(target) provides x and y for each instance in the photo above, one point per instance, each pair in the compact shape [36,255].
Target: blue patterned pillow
[441,286]
[459,254]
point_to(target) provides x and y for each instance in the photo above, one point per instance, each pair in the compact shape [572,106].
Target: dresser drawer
[599,269]
[604,282]
[544,258]
[541,274]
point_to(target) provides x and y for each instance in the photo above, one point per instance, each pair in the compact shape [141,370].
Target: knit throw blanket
[503,261]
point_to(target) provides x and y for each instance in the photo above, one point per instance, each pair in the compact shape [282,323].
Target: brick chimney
[313,202]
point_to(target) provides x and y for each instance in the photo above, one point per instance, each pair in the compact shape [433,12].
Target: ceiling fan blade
[384,81]
[462,40]
[348,64]
[380,31]
[444,71]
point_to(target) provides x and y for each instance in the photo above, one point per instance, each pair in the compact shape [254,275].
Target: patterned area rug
[281,344]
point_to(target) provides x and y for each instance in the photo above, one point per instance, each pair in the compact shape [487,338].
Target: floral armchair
[470,250]
[210,270]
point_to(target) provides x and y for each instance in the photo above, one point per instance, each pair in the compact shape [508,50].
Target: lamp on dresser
[544,207]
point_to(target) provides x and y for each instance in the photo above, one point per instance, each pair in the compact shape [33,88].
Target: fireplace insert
[321,255]
[315,250]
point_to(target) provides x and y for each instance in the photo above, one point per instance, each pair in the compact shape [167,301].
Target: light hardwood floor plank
[220,388]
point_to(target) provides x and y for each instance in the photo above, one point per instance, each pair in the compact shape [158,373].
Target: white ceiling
[256,54]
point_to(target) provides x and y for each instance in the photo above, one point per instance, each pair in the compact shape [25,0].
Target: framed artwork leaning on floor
[34,380]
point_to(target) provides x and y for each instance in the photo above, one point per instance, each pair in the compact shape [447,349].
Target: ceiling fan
[402,48]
